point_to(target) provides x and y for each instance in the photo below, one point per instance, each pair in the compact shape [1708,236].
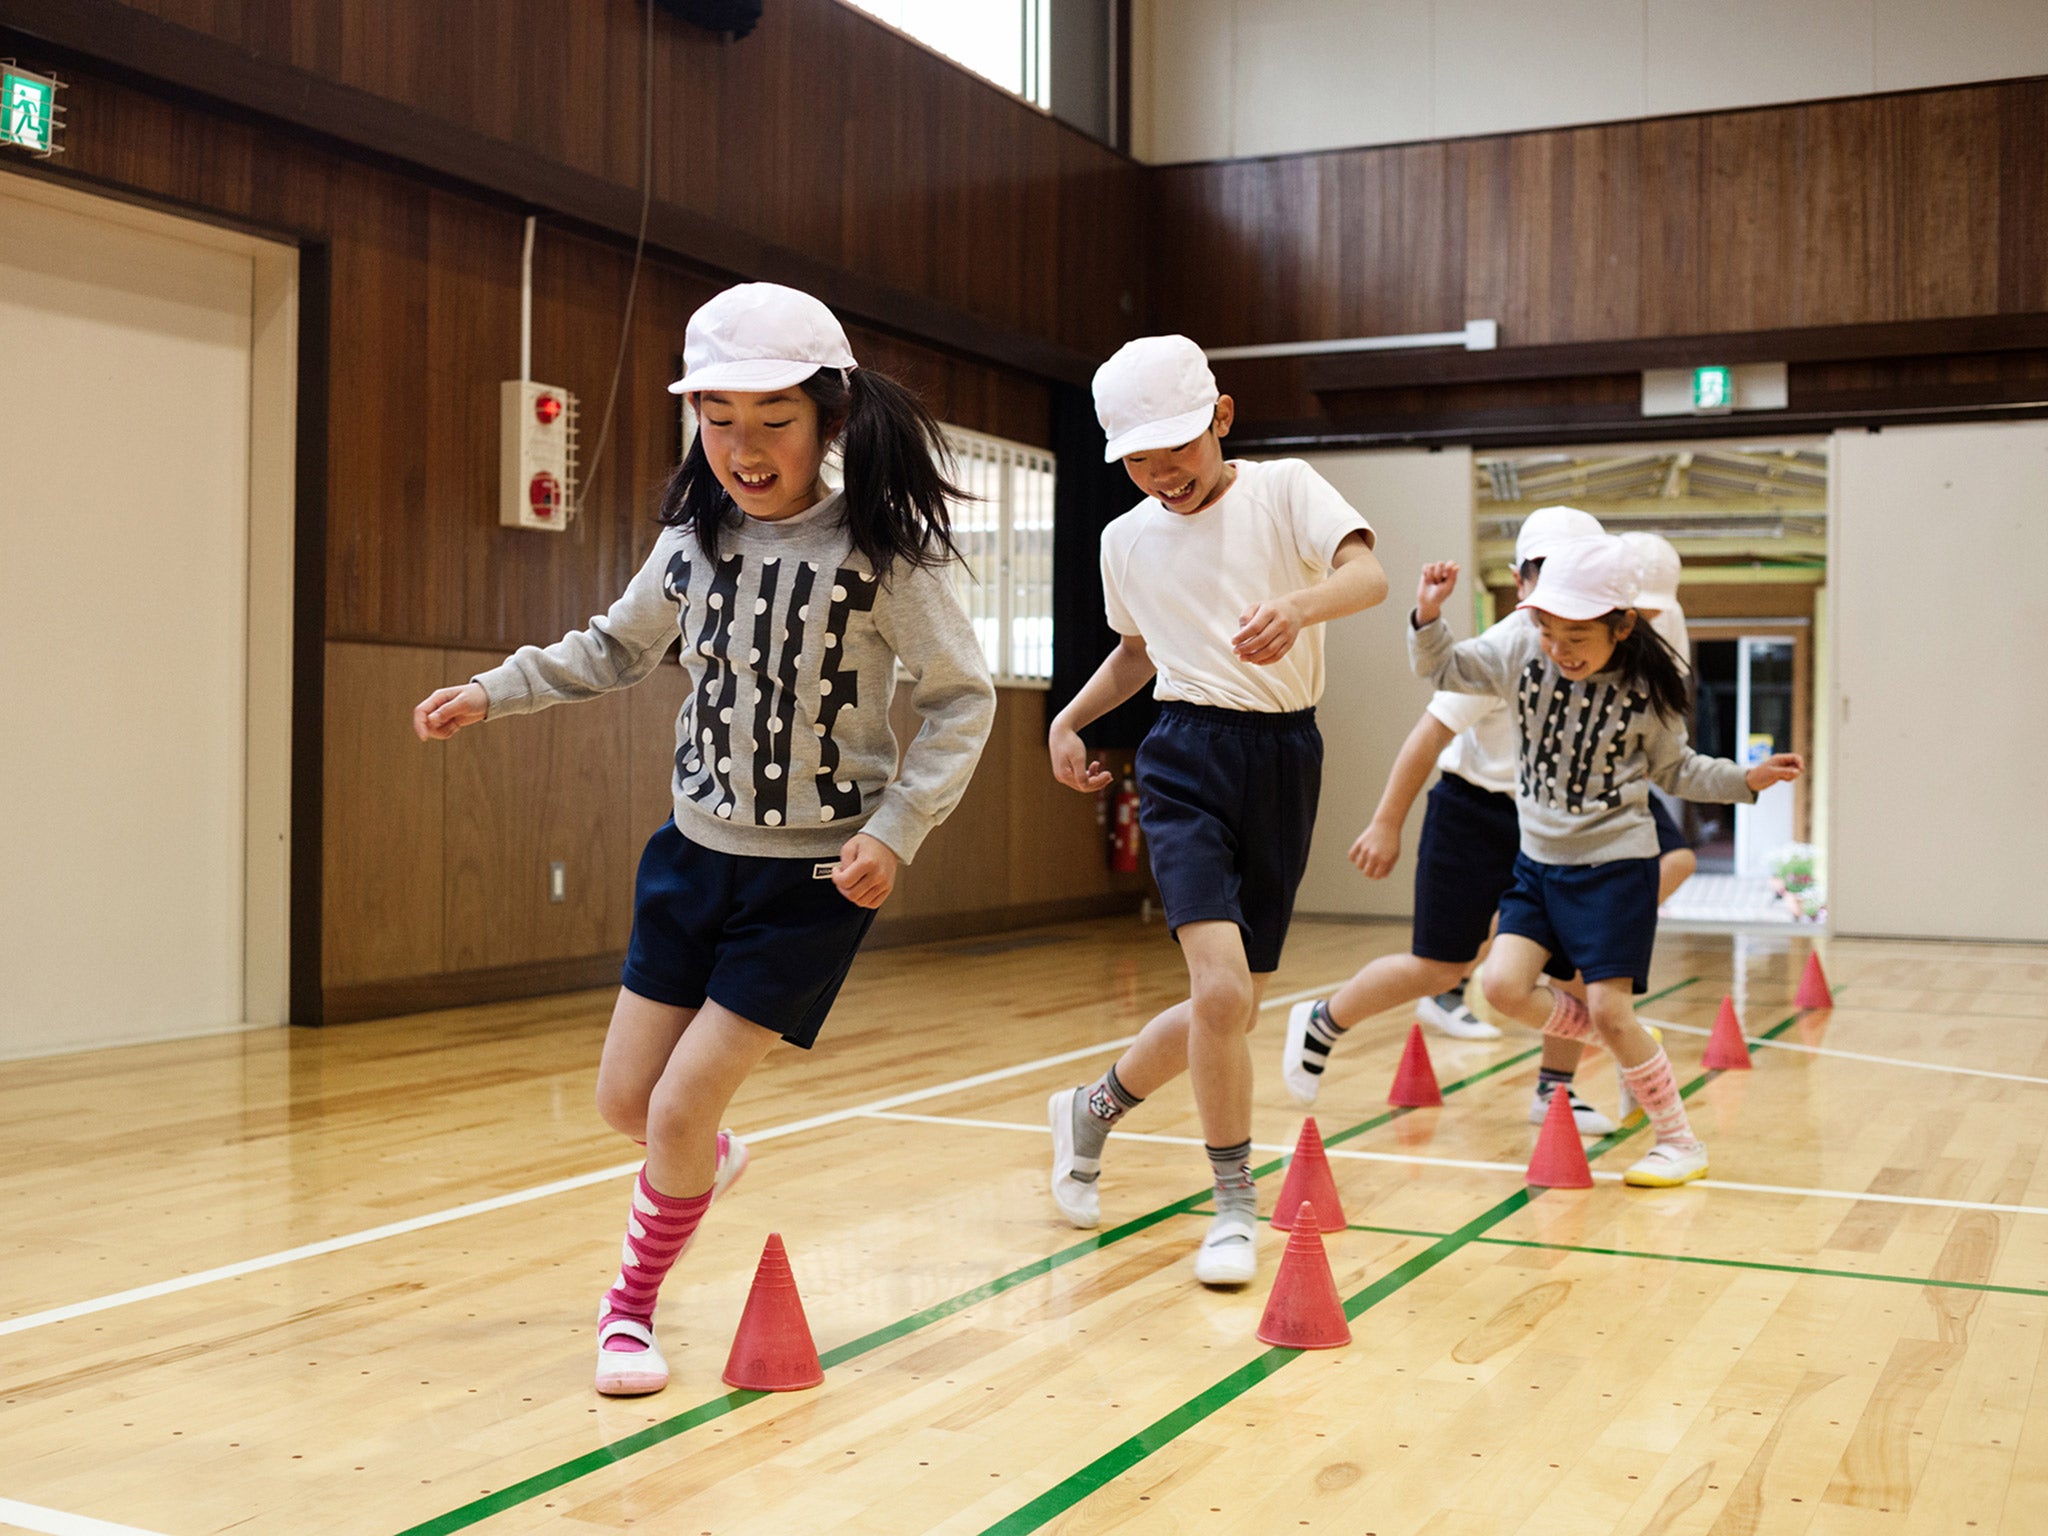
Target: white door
[124,536]
[1420,506]
[1939,691]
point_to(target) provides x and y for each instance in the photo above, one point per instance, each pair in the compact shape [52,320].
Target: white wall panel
[1710,55]
[1939,699]
[1502,69]
[1916,43]
[1310,73]
[1420,506]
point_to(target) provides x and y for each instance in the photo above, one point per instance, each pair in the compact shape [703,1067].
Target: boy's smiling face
[1188,478]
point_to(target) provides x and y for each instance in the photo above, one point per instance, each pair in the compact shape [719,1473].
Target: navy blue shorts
[1599,918]
[1464,864]
[770,939]
[1227,802]
[1669,838]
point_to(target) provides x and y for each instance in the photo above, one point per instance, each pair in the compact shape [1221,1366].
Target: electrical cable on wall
[604,430]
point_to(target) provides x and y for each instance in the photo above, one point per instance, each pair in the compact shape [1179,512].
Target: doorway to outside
[1749,521]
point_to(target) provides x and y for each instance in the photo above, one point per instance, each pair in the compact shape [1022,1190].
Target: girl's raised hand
[1780,768]
[447,710]
[867,870]
[1439,578]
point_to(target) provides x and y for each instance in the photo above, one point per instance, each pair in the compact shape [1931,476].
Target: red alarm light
[544,494]
[546,408]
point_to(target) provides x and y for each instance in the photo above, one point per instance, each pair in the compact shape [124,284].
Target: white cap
[1659,566]
[1547,527]
[1585,579]
[759,337]
[1156,392]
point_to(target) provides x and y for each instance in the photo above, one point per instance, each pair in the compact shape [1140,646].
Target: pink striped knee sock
[658,1228]
[1655,1087]
[1568,1018]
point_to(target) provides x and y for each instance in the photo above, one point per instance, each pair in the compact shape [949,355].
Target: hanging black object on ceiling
[735,17]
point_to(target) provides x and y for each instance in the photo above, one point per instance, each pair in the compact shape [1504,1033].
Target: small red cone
[1303,1312]
[1415,1079]
[1813,985]
[1727,1048]
[1309,1186]
[1559,1161]
[772,1351]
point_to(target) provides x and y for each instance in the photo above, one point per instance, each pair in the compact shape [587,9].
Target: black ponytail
[1650,666]
[892,449]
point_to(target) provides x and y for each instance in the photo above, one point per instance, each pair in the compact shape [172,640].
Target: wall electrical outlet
[558,881]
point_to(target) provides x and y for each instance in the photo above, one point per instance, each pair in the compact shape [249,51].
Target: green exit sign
[28,110]
[1713,389]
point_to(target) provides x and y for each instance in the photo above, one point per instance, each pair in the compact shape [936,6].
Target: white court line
[1518,1169]
[431,1219]
[55,1522]
[1883,1061]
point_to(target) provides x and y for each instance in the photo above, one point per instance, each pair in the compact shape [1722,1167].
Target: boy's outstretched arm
[1378,848]
[1355,583]
[1123,672]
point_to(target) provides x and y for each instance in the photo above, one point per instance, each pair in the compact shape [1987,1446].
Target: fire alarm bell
[536,455]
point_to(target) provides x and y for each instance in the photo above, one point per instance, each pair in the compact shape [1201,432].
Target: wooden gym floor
[345,1280]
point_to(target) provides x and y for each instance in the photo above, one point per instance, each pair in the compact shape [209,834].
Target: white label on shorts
[824,871]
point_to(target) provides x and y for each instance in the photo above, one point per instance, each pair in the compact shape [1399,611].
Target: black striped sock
[1322,1033]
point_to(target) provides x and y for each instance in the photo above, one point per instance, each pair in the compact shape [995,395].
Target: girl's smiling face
[765,449]
[1580,647]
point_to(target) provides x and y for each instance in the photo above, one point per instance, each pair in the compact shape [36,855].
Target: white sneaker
[1302,1084]
[1626,1105]
[1229,1255]
[1588,1119]
[1668,1165]
[1077,1199]
[1456,1020]
[629,1373]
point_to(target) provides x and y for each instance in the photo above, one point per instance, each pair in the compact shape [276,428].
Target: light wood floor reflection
[345,1281]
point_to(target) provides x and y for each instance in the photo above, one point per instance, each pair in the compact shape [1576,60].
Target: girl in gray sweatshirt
[1599,707]
[793,606]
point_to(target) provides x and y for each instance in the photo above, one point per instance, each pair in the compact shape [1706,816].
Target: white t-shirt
[1183,581]
[1483,751]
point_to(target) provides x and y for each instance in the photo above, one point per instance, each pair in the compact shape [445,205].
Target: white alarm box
[536,455]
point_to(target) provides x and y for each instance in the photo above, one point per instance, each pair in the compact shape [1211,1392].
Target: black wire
[639,247]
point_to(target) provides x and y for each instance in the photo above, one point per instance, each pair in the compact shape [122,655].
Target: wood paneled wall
[438,853]
[824,132]
[1906,207]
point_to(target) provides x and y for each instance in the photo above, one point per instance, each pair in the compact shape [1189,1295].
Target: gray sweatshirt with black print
[1586,751]
[783,747]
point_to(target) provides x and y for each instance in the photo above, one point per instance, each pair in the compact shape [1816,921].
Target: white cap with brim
[1660,566]
[757,338]
[1585,579]
[1547,527]
[1155,392]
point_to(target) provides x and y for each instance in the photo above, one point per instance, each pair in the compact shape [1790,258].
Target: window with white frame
[1005,534]
[1006,41]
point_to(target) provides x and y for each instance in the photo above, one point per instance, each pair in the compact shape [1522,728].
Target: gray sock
[1096,1109]
[1236,1194]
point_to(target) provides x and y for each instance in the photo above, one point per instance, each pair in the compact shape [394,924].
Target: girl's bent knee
[622,1110]
[1503,993]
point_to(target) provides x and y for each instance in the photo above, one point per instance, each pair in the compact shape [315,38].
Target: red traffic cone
[1727,1048]
[1415,1079]
[1303,1312]
[772,1351]
[1813,985]
[1309,1186]
[1559,1161]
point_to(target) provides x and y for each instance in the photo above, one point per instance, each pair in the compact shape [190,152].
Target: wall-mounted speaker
[735,17]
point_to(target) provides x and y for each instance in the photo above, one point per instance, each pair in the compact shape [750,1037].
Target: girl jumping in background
[1599,707]
[794,605]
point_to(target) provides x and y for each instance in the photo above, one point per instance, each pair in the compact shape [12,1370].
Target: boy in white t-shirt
[1219,583]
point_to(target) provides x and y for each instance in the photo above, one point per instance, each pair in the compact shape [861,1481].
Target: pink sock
[1568,1019]
[658,1228]
[1655,1087]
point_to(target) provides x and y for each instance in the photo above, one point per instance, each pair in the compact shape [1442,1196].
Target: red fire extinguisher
[1123,829]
